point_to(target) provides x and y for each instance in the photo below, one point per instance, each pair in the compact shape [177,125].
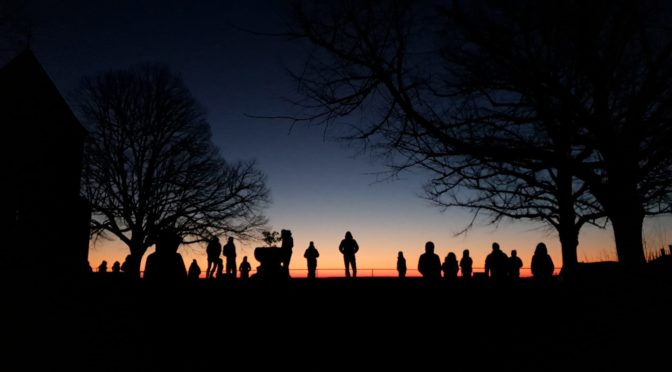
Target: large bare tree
[596,76]
[501,98]
[150,164]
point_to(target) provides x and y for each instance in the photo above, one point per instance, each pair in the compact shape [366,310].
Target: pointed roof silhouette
[31,92]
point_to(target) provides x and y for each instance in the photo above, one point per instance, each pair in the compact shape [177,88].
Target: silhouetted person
[213,250]
[116,267]
[165,266]
[194,271]
[429,264]
[230,254]
[103,267]
[245,269]
[349,248]
[311,256]
[219,269]
[515,263]
[126,265]
[401,264]
[542,264]
[450,268]
[466,264]
[286,246]
[497,264]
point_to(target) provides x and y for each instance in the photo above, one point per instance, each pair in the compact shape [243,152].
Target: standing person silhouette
[165,267]
[429,263]
[349,248]
[103,267]
[286,246]
[450,268]
[230,254]
[213,250]
[194,271]
[401,264]
[542,264]
[515,263]
[466,264]
[116,267]
[245,269]
[311,256]
[126,265]
[497,264]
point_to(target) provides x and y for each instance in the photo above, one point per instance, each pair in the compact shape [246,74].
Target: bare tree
[151,164]
[498,98]
[376,58]
[503,191]
[597,78]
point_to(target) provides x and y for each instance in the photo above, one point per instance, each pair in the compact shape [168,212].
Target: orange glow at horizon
[379,247]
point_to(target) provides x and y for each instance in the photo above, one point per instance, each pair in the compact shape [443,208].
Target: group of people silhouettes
[215,269]
[498,266]
[166,265]
[117,267]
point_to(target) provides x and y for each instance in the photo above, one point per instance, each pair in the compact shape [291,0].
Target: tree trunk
[568,227]
[627,222]
[569,241]
[625,210]
[623,204]
[138,250]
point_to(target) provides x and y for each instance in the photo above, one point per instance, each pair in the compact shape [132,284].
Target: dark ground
[337,324]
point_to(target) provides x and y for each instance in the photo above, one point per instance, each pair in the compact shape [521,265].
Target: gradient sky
[320,188]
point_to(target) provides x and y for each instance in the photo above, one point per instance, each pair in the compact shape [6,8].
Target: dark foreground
[337,324]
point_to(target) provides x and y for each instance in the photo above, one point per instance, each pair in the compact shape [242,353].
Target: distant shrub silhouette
[271,238]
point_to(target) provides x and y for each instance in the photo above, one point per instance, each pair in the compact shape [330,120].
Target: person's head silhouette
[230,239]
[429,247]
[401,254]
[168,242]
[348,235]
[495,247]
[541,249]
[311,245]
[514,253]
[465,253]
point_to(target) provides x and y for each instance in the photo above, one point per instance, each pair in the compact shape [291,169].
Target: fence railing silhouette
[368,272]
[391,272]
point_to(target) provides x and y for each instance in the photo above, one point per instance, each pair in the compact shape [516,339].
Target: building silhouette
[47,220]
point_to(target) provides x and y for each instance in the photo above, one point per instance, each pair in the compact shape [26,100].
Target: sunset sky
[320,188]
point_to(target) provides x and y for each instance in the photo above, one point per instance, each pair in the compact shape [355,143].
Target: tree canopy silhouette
[555,112]
[150,164]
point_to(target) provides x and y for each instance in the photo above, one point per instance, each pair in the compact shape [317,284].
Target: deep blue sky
[320,188]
